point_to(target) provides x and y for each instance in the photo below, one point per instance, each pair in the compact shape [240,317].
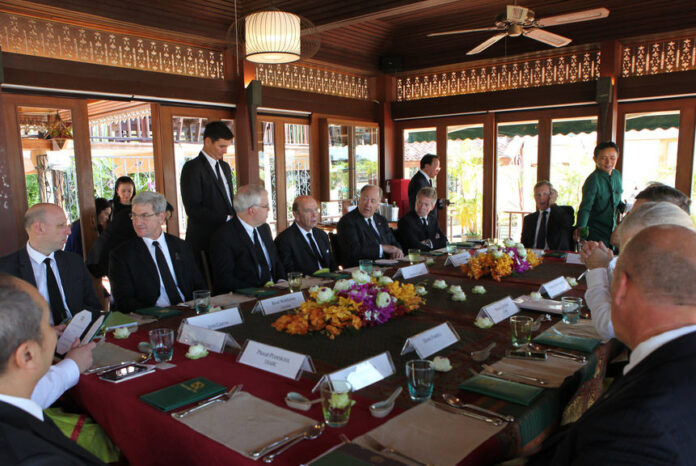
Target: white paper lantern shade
[272,37]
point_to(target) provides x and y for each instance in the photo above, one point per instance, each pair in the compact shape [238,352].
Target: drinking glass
[420,377]
[570,307]
[414,255]
[201,301]
[366,266]
[451,249]
[295,281]
[521,329]
[336,402]
[162,341]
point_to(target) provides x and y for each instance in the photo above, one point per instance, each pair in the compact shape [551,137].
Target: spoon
[310,434]
[382,408]
[298,401]
[536,325]
[482,355]
[513,374]
[455,402]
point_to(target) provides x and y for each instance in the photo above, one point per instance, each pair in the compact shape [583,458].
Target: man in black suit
[429,168]
[28,343]
[155,269]
[417,229]
[646,416]
[548,227]
[242,251]
[206,189]
[302,246]
[365,234]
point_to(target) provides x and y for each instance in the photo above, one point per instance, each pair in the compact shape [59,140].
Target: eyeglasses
[143,216]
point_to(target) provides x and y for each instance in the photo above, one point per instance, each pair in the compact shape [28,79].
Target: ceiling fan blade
[462,31]
[547,37]
[578,16]
[484,45]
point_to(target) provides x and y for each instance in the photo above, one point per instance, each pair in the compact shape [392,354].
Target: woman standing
[124,190]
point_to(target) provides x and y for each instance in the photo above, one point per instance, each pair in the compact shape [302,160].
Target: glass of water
[570,307]
[451,249]
[295,281]
[420,377]
[521,330]
[162,341]
[414,255]
[366,266]
[201,301]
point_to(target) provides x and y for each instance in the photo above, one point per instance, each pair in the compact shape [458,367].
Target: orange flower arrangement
[500,263]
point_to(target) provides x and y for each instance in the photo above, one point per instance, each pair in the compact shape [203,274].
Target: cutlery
[513,374]
[376,445]
[455,402]
[382,408]
[482,355]
[314,432]
[536,325]
[558,353]
[221,398]
[281,442]
[450,409]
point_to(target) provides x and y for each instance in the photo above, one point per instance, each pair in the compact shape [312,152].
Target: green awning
[652,122]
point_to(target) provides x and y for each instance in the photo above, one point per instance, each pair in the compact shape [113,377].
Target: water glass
[414,255]
[336,402]
[201,301]
[451,249]
[521,329]
[366,266]
[570,307]
[420,376]
[295,281]
[162,341]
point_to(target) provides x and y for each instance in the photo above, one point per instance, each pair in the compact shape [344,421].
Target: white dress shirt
[37,264]
[24,404]
[304,235]
[213,163]
[645,348]
[163,299]
[536,230]
[60,378]
[598,299]
[374,227]
[250,231]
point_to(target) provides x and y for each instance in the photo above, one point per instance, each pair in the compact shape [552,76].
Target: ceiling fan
[519,21]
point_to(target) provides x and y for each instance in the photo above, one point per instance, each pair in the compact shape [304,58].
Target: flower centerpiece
[500,262]
[361,301]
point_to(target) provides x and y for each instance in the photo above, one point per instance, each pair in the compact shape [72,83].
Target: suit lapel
[241,233]
[175,255]
[303,241]
[148,263]
[26,271]
[218,183]
[65,278]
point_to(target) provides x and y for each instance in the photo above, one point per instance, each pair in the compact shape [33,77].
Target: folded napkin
[583,328]
[257,292]
[352,454]
[543,305]
[307,282]
[553,371]
[330,275]
[105,354]
[431,435]
[182,394]
[159,312]
[586,345]
[245,423]
[505,390]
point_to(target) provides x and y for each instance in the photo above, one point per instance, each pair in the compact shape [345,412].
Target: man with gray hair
[548,227]
[242,252]
[418,229]
[155,269]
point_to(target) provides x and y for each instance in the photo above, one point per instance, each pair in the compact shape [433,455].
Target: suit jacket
[134,278]
[296,254]
[558,223]
[233,261]
[117,232]
[646,416]
[24,440]
[412,231]
[357,241]
[417,182]
[205,202]
[76,281]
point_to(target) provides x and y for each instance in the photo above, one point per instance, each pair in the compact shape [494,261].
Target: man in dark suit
[206,189]
[417,229]
[646,416]
[548,227]
[302,246]
[429,168]
[28,343]
[365,234]
[155,269]
[242,251]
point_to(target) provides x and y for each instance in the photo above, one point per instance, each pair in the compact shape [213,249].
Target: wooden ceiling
[355,33]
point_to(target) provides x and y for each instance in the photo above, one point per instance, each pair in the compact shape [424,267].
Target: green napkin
[551,338]
[352,454]
[504,389]
[118,319]
[464,244]
[331,275]
[256,292]
[181,394]
[159,312]
[432,253]
[557,254]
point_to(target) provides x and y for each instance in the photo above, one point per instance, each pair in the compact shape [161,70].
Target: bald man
[647,416]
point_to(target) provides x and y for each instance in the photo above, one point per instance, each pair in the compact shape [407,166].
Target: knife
[463,412]
[261,451]
[562,355]
[207,402]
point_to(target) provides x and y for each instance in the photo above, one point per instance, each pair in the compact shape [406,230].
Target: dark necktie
[54,297]
[218,172]
[424,221]
[315,249]
[374,232]
[430,182]
[169,285]
[265,275]
[541,236]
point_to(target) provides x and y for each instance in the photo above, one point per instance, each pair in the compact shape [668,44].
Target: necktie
[315,249]
[374,231]
[265,274]
[54,297]
[169,285]
[218,172]
[424,221]
[541,235]
[430,182]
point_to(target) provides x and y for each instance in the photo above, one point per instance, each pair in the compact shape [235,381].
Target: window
[464,181]
[417,143]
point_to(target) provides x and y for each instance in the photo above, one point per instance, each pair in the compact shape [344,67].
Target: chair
[206,270]
[571,213]
[333,240]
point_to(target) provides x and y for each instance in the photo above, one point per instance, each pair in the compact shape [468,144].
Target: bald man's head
[306,212]
[46,227]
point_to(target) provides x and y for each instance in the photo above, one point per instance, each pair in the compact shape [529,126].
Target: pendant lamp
[272,37]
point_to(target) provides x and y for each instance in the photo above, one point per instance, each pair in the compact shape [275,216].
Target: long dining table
[147,436]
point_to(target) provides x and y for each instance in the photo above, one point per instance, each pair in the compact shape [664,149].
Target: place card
[275,360]
[573,258]
[499,310]
[218,319]
[213,340]
[458,259]
[412,271]
[431,341]
[364,373]
[555,287]
[279,304]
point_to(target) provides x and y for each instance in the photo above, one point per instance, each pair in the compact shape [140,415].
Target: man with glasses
[548,227]
[155,269]
[242,253]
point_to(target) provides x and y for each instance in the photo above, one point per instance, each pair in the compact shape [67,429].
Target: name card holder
[275,360]
[213,340]
[411,271]
[364,373]
[216,320]
[279,303]
[458,259]
[573,258]
[431,341]
[498,311]
[555,287]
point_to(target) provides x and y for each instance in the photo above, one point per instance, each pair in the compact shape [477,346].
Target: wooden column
[12,190]
[247,155]
[441,150]
[685,150]
[610,66]
[83,170]
[544,149]
[322,140]
[317,181]
[489,169]
[385,96]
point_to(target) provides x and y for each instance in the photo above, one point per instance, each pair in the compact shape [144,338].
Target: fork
[216,399]
[375,444]
[513,374]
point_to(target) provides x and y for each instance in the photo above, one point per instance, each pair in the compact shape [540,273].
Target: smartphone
[522,354]
[130,371]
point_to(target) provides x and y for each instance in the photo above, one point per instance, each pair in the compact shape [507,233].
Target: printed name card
[573,258]
[555,287]
[411,271]
[431,341]
[499,310]
[279,304]
[213,340]
[364,373]
[458,259]
[219,319]
[275,360]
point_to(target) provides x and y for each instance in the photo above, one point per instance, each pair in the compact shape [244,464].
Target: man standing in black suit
[302,246]
[646,416]
[365,234]
[417,230]
[429,168]
[548,227]
[27,345]
[155,269]
[206,189]
[242,251]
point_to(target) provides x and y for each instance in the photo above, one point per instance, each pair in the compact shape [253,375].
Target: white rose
[421,290]
[454,289]
[385,281]
[430,261]
[483,322]
[122,332]
[522,252]
[519,246]
[509,243]
[441,364]
[383,299]
[440,284]
[360,277]
[325,295]
[343,284]
[478,290]
[459,297]
[377,273]
[314,289]
[197,351]
[572,281]
[535,295]
[497,254]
